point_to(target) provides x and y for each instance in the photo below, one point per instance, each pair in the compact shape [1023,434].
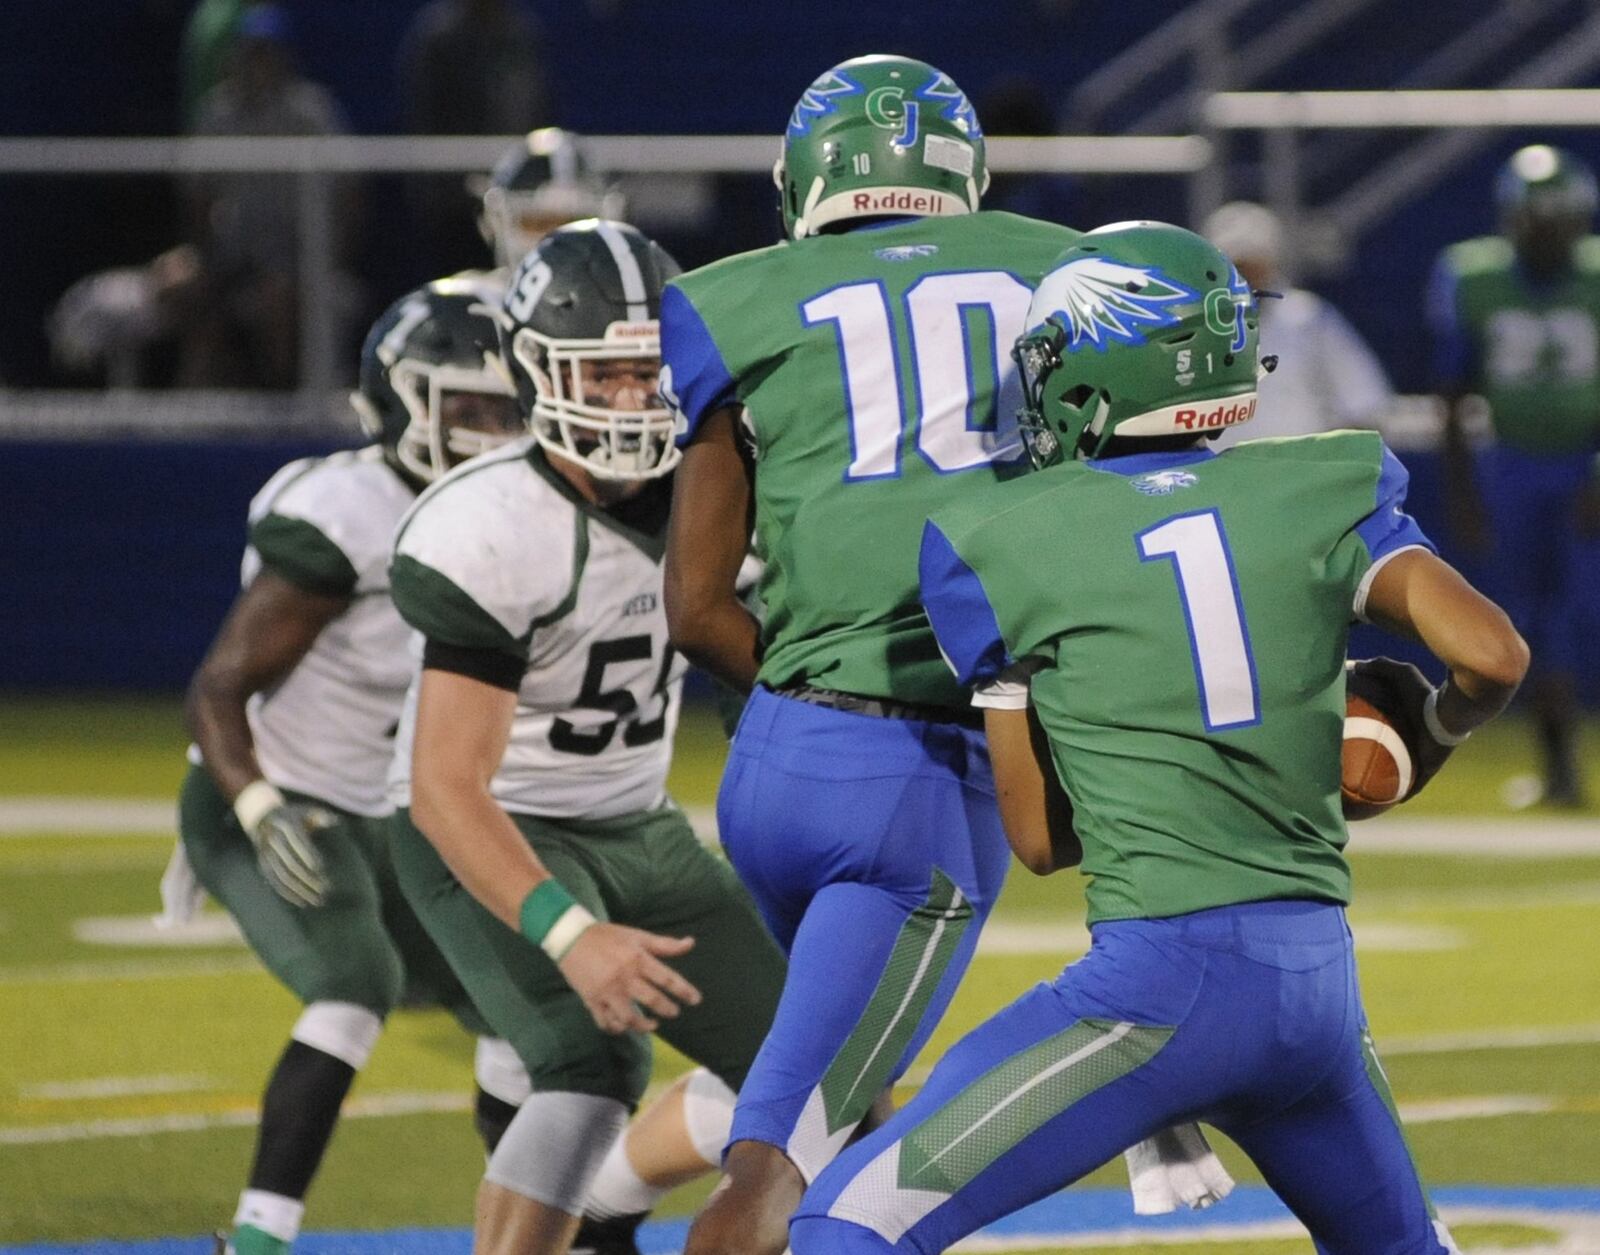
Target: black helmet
[440,338]
[591,294]
[541,183]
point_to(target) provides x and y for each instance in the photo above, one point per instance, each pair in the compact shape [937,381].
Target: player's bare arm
[463,726]
[1419,596]
[272,624]
[706,542]
[1035,809]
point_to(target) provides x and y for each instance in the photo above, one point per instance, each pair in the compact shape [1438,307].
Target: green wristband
[547,903]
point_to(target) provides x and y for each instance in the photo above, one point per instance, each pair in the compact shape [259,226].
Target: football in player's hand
[1375,765]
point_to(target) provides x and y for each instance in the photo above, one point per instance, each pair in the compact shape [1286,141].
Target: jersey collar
[1139,463]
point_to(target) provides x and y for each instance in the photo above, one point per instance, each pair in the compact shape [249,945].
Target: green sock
[249,1240]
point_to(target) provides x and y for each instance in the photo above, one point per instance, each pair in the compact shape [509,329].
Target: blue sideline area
[1068,1214]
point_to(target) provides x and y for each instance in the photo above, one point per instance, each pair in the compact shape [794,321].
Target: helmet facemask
[573,415]
[430,445]
[515,220]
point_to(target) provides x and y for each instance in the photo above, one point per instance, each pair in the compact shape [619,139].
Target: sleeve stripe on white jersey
[633,290]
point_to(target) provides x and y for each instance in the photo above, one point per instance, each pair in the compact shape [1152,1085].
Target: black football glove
[1400,691]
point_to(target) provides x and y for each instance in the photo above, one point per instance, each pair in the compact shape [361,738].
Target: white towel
[1175,1167]
[181,894]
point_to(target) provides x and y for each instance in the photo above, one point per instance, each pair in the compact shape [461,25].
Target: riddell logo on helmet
[1208,420]
[904,202]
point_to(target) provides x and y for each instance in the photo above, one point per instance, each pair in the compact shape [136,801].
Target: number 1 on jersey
[1219,641]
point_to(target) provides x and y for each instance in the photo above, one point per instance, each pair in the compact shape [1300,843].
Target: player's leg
[1537,586]
[1031,1100]
[873,848]
[1339,1159]
[337,959]
[673,885]
[584,1082]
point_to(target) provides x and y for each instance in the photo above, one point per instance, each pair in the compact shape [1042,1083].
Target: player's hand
[286,852]
[619,974]
[1400,691]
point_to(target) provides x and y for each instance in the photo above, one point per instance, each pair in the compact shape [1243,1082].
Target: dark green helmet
[440,339]
[1140,329]
[876,137]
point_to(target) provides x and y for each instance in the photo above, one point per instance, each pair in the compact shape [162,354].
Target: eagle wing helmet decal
[1098,301]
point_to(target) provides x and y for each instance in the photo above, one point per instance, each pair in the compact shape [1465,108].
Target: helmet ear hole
[1077,397]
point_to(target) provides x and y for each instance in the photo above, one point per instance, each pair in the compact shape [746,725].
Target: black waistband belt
[883,708]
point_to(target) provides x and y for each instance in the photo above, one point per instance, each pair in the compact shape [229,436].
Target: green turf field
[129,1072]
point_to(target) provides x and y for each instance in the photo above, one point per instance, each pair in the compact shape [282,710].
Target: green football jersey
[875,374]
[1187,617]
[1531,349]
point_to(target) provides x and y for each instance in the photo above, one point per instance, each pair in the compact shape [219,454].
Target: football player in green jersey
[1516,319]
[1162,633]
[293,713]
[835,389]
[534,834]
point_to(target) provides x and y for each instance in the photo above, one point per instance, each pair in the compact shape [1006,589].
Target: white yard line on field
[1518,837]
[114,1087]
[426,1102]
[87,816]
[128,970]
[1490,1039]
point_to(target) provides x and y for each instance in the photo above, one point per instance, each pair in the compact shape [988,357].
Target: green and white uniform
[324,735]
[512,578]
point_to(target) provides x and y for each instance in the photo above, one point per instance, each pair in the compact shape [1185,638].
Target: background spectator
[247,223]
[466,67]
[1326,375]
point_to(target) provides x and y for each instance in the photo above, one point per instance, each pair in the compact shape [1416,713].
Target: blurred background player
[1326,377]
[1172,720]
[1515,318]
[539,184]
[293,714]
[245,223]
[534,835]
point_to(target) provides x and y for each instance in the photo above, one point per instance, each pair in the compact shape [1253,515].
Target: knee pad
[341,1029]
[499,1072]
[553,1148]
[708,1114]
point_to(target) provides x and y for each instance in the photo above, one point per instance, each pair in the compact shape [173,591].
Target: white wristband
[255,800]
[564,933]
[1437,730]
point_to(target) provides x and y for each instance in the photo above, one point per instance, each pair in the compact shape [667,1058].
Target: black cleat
[608,1237]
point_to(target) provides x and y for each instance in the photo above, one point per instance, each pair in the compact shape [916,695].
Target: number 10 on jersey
[954,394]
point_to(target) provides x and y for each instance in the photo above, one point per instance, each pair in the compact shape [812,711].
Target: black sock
[491,1116]
[1558,745]
[298,1114]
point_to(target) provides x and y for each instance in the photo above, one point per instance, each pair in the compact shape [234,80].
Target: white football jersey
[502,554]
[327,729]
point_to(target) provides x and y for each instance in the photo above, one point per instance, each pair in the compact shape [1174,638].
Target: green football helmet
[1140,329]
[877,137]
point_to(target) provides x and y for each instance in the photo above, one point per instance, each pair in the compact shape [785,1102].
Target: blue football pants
[874,852]
[1246,1017]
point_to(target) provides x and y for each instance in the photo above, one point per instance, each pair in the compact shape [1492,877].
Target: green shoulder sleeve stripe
[580,559]
[438,608]
[299,552]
